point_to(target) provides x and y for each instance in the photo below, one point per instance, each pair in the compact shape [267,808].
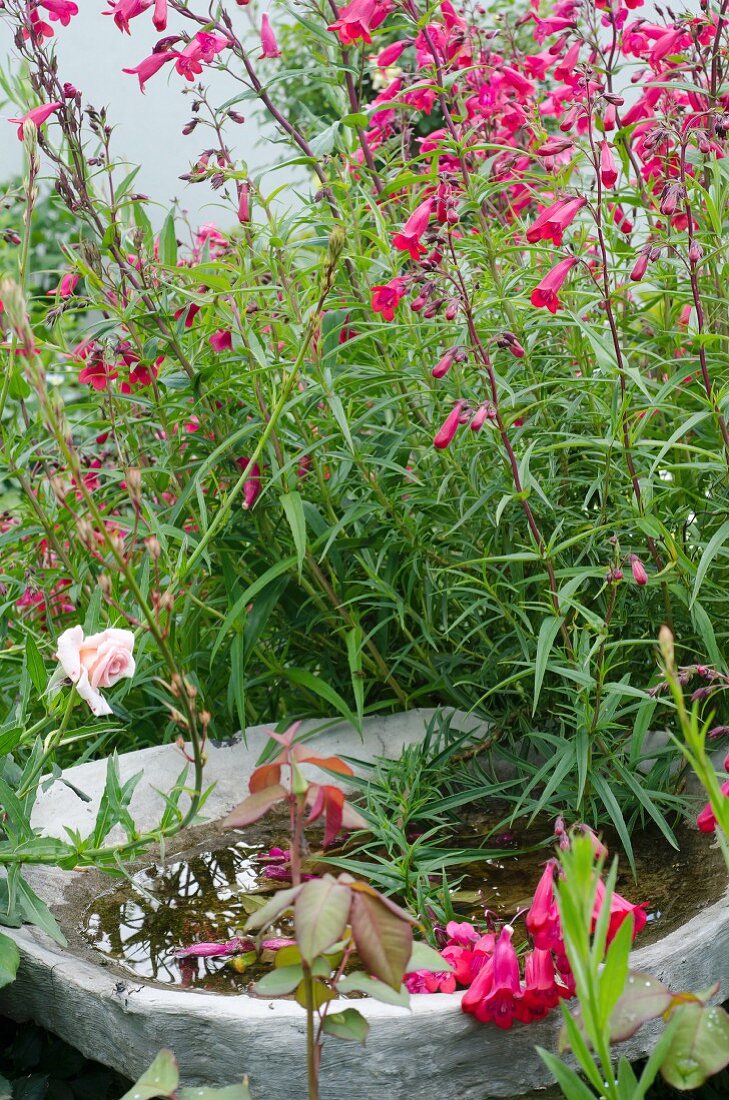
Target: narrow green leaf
[293,507]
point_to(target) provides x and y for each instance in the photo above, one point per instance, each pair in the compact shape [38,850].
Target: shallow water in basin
[206,895]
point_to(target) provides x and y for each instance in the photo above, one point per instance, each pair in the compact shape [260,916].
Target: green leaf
[363,983]
[293,507]
[9,960]
[168,241]
[349,1024]
[700,1046]
[547,633]
[320,916]
[324,690]
[161,1079]
[425,957]
[278,982]
[240,605]
[282,899]
[33,910]
[36,667]
[573,1087]
[710,551]
[383,940]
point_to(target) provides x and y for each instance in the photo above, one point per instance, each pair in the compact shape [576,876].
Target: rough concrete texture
[433,1051]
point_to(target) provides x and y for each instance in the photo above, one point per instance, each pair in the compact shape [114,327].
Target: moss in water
[206,895]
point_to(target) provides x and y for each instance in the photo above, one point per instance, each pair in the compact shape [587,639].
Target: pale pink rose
[99,661]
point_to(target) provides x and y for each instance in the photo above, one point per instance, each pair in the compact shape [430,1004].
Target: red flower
[542,920]
[640,575]
[552,222]
[38,115]
[269,45]
[620,908]
[151,65]
[222,340]
[385,298]
[357,19]
[542,991]
[408,239]
[446,433]
[545,294]
[608,171]
[496,990]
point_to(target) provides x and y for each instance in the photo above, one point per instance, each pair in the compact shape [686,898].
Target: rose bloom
[99,661]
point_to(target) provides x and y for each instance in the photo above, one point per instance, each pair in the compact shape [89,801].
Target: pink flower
[640,266]
[640,575]
[496,990]
[151,65]
[60,10]
[545,294]
[408,239]
[124,10]
[358,19]
[244,203]
[160,15]
[99,661]
[706,820]
[542,919]
[620,908]
[608,171]
[390,54]
[37,115]
[552,222]
[68,284]
[222,340]
[542,991]
[252,484]
[385,298]
[444,364]
[212,950]
[98,373]
[425,981]
[269,45]
[446,433]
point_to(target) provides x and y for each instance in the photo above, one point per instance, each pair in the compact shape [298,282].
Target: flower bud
[444,364]
[446,433]
[640,575]
[695,252]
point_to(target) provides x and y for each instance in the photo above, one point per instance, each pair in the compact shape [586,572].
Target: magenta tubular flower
[542,991]
[385,298]
[496,990]
[641,266]
[545,294]
[37,115]
[608,170]
[390,54]
[269,45]
[620,908]
[479,418]
[358,19]
[425,981]
[160,15]
[552,222]
[444,364]
[124,10]
[68,284]
[244,203]
[542,919]
[151,65]
[408,239]
[213,950]
[446,433]
[706,820]
[221,340]
[640,575]
[60,11]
